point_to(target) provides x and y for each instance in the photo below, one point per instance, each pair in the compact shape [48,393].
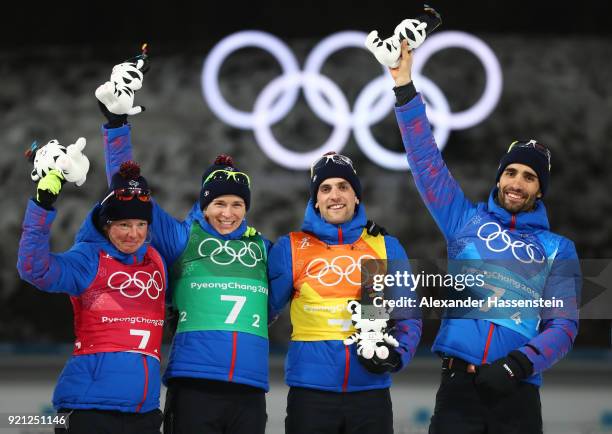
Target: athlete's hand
[250,232]
[374,229]
[114,121]
[377,365]
[402,75]
[49,188]
[502,376]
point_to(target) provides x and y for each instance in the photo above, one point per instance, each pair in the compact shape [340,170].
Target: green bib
[221,285]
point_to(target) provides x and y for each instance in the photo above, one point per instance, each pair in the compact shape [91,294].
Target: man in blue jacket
[332,388]
[492,362]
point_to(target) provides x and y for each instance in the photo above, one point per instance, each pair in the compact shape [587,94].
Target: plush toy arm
[107,96]
[387,52]
[390,340]
[135,110]
[75,164]
[77,147]
[351,339]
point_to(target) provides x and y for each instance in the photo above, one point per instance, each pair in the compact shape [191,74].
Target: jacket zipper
[347,354]
[492,325]
[146,383]
[486,350]
[233,363]
[347,366]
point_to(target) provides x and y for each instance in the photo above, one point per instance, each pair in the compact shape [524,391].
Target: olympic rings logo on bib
[152,284]
[249,254]
[341,267]
[329,103]
[500,241]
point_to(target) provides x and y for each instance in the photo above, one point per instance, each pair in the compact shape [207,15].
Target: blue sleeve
[408,330]
[170,236]
[280,276]
[268,245]
[70,272]
[559,326]
[117,148]
[442,195]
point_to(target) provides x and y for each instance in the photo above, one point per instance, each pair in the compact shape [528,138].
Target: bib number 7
[144,337]
[239,301]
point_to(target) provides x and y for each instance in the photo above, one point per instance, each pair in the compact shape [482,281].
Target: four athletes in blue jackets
[226,283]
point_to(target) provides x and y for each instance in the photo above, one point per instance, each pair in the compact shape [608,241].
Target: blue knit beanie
[223,183]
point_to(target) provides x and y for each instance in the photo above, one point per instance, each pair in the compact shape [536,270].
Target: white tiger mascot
[387,51]
[371,334]
[71,160]
[126,78]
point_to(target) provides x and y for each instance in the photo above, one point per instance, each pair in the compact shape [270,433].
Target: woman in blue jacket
[116,282]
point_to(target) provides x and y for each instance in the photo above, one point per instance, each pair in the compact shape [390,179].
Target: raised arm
[70,272]
[117,148]
[441,193]
[116,101]
[169,234]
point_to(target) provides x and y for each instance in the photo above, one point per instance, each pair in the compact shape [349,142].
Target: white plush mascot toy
[126,78]
[70,160]
[371,334]
[387,51]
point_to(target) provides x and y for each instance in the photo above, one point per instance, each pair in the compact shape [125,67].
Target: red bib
[123,308]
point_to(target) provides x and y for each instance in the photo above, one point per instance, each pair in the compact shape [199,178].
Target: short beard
[529,205]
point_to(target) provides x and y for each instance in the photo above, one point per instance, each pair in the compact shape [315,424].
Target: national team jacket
[233,356]
[115,363]
[488,233]
[317,357]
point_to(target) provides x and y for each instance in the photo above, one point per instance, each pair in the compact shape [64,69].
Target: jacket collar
[526,220]
[89,233]
[330,233]
[197,214]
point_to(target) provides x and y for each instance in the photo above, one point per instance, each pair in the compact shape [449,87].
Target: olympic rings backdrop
[327,101]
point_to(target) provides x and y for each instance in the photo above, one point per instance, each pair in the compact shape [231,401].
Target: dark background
[555,59]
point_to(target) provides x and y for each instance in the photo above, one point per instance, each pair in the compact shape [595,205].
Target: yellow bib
[325,278]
